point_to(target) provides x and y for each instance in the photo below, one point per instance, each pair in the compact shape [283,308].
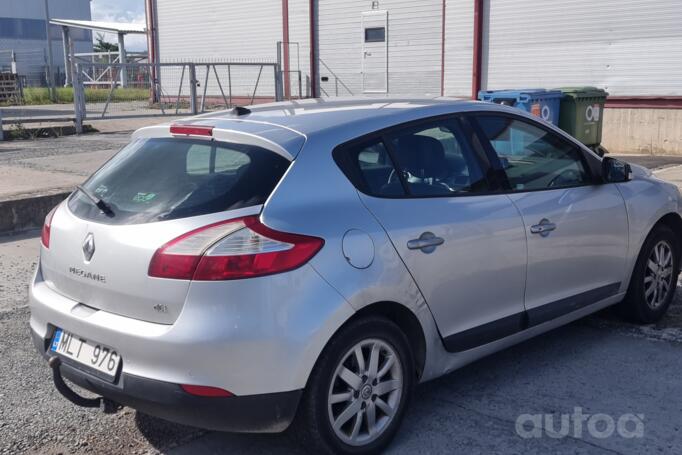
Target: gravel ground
[34,418]
[19,255]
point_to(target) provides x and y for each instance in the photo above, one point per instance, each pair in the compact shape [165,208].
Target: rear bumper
[263,413]
[250,337]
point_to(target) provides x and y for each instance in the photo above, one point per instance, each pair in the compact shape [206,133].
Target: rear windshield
[168,178]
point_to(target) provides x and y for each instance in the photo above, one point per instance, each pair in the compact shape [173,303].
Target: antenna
[240,110]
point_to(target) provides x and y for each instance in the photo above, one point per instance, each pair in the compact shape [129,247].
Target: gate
[115,90]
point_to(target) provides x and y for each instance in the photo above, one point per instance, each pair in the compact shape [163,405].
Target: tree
[101,45]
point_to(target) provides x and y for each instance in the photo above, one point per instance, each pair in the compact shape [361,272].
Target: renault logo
[88,247]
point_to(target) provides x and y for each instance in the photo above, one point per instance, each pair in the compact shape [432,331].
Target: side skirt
[502,328]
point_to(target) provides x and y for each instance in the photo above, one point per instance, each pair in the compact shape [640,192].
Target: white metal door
[374,51]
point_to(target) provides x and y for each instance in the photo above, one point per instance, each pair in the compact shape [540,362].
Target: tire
[643,302]
[313,428]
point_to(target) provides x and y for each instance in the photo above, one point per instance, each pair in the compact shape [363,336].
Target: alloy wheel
[365,392]
[658,275]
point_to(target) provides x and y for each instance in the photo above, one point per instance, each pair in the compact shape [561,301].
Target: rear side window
[169,178]
[369,167]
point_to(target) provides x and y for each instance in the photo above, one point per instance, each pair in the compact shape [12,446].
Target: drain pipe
[285,44]
[313,49]
[151,45]
[442,50]
[478,49]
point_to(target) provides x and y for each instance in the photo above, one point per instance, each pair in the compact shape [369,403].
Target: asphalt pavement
[651,161]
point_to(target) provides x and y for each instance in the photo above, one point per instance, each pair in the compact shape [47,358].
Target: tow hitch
[105,404]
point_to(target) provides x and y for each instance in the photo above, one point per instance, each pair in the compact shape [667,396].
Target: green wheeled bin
[581,115]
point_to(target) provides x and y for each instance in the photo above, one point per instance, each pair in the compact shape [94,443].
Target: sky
[121,11]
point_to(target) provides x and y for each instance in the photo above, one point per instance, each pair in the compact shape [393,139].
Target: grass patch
[19,131]
[64,95]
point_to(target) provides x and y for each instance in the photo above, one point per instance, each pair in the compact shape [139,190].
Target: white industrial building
[23,36]
[453,48]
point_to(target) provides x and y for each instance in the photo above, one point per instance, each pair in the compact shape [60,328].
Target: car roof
[315,115]
[290,124]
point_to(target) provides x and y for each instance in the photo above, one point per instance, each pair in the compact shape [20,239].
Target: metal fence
[145,89]
[95,67]
[108,90]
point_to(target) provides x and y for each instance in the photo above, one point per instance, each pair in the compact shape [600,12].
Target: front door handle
[427,242]
[543,228]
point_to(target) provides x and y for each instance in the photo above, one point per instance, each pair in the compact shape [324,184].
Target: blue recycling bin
[539,102]
[542,103]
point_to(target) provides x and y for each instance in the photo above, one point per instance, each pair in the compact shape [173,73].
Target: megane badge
[88,247]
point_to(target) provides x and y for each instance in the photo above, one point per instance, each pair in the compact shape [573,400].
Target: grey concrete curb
[26,213]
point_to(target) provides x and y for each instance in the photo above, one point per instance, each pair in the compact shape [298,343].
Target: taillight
[45,234]
[229,250]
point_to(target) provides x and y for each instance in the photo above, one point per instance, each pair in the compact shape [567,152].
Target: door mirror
[614,171]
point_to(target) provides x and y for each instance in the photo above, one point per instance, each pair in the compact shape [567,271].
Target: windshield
[168,178]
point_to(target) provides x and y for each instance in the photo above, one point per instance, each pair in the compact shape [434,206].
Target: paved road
[60,110]
[598,364]
[33,167]
[651,161]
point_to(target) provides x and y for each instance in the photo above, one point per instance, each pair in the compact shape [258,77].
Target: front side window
[431,161]
[532,158]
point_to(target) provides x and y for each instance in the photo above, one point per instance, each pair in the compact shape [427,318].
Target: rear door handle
[543,228]
[427,242]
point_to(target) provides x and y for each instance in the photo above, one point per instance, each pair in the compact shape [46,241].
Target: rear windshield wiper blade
[103,206]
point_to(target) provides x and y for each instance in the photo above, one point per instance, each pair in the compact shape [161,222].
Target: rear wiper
[103,206]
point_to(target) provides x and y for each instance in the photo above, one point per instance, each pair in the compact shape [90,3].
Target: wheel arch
[674,222]
[406,321]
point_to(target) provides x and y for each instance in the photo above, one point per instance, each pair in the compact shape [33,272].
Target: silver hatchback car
[307,264]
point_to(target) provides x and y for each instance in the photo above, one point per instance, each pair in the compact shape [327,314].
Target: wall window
[34,29]
[533,158]
[375,35]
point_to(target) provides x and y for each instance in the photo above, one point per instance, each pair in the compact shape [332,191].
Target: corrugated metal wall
[414,46]
[459,47]
[219,31]
[629,47]
[216,30]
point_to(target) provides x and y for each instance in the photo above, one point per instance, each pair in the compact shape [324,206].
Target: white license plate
[101,358]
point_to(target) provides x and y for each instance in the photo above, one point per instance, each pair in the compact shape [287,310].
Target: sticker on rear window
[144,197]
